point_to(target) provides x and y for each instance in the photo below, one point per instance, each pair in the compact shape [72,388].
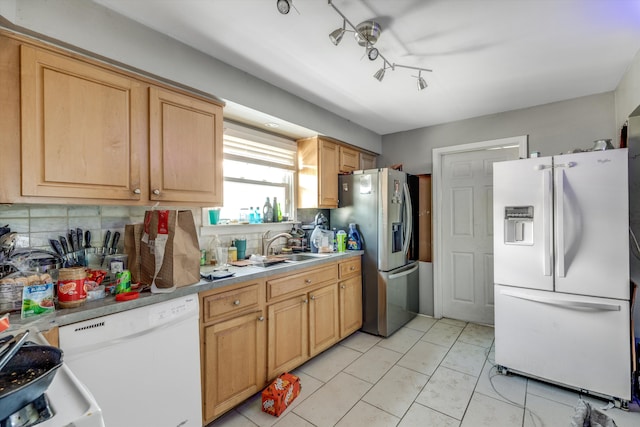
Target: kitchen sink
[298,257]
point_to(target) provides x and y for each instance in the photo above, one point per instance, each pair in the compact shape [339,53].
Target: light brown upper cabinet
[320,161]
[367,161]
[82,129]
[317,173]
[349,160]
[79,131]
[185,160]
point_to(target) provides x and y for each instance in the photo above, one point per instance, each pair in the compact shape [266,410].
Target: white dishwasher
[142,365]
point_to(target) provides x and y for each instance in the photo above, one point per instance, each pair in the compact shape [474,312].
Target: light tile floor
[436,373]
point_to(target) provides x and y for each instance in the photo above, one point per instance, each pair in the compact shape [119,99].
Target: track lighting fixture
[422,84]
[336,35]
[379,75]
[284,6]
[367,34]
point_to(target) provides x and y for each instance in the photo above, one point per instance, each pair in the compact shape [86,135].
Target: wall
[627,93]
[552,129]
[89,26]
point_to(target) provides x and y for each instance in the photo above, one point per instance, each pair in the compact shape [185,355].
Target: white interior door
[465,229]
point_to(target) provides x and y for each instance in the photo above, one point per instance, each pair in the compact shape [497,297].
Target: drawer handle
[261,319]
[305,300]
[307,281]
[236,302]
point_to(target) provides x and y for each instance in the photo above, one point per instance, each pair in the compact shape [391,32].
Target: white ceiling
[487,56]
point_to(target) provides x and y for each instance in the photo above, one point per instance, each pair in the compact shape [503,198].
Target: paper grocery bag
[169,252]
[132,243]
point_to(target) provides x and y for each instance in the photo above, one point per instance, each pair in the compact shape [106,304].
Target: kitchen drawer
[301,281]
[350,268]
[222,304]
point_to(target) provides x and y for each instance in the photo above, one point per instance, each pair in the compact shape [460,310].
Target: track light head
[336,35]
[379,75]
[284,6]
[422,84]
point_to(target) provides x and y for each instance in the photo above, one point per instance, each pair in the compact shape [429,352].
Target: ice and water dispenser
[518,225]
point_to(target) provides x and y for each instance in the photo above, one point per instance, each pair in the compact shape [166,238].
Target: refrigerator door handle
[563,303]
[403,273]
[560,221]
[408,211]
[547,202]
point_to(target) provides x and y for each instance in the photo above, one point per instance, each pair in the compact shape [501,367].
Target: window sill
[210,230]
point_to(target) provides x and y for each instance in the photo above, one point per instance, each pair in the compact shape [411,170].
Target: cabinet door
[323,319]
[83,129]
[349,160]
[367,161]
[233,362]
[288,335]
[350,305]
[185,148]
[327,174]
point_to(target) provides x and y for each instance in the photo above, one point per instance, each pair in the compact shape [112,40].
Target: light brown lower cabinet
[233,346]
[323,319]
[288,334]
[252,332]
[350,305]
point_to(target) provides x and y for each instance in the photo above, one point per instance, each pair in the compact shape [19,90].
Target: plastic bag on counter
[587,416]
[32,287]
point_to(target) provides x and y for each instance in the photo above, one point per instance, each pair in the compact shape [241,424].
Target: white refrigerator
[561,271]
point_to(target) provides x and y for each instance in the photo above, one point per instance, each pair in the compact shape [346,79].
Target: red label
[71,290]
[163,222]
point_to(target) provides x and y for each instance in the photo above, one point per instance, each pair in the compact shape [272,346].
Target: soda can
[123,281]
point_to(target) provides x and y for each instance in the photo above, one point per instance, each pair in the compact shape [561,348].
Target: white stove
[69,401]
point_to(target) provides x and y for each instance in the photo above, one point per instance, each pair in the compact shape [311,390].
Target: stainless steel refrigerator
[379,202]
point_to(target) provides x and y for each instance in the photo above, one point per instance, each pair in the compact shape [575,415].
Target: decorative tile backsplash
[36,224]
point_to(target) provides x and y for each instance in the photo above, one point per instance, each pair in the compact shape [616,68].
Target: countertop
[109,305]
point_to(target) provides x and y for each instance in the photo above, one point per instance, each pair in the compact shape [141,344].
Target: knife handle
[80,235]
[107,236]
[114,243]
[87,239]
[57,247]
[63,242]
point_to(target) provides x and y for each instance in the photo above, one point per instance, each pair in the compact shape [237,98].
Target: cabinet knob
[343,287]
[137,191]
[261,319]
[313,297]
[156,192]
[236,302]
[305,300]
[352,268]
[307,281]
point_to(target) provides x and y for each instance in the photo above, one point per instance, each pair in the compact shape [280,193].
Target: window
[257,165]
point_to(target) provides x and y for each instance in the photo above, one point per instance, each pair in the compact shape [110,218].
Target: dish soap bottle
[354,243]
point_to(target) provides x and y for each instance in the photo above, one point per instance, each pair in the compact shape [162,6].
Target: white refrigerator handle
[560,221]
[409,218]
[547,229]
[584,305]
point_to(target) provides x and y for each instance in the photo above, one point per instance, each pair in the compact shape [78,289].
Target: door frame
[522,142]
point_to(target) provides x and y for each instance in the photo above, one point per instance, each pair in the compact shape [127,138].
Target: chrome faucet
[266,241]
